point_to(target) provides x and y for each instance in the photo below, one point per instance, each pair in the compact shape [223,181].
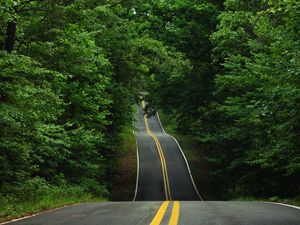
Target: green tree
[255,104]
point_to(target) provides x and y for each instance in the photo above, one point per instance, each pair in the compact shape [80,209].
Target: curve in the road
[183,155]
[164,173]
[161,157]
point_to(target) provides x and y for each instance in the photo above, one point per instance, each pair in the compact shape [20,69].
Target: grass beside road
[46,198]
[124,172]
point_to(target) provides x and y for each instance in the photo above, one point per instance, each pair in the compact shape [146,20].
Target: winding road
[165,194]
[164,173]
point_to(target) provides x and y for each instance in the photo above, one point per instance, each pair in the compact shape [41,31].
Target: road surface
[165,194]
[191,213]
[155,147]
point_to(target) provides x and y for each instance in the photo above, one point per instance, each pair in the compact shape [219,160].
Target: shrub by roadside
[123,178]
[37,195]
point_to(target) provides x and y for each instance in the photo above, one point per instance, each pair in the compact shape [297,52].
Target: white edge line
[137,169]
[277,203]
[187,164]
[40,213]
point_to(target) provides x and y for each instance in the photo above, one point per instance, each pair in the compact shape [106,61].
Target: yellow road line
[175,214]
[162,158]
[160,214]
[176,206]
[165,166]
[162,211]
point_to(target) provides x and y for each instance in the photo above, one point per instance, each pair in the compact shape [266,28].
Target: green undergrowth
[122,186]
[31,199]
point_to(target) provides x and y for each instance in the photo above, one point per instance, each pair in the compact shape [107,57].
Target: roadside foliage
[71,71]
[241,101]
[70,74]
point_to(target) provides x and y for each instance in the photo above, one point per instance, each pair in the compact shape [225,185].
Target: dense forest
[241,96]
[226,71]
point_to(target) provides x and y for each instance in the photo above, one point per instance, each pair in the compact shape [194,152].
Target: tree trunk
[10,36]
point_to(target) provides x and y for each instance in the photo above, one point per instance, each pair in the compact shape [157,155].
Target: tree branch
[118,3]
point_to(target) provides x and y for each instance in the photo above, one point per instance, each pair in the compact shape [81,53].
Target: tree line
[226,71]
[70,74]
[240,98]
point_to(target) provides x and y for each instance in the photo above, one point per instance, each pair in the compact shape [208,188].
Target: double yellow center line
[162,159]
[176,206]
[162,211]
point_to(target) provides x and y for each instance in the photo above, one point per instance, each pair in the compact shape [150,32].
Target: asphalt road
[164,175]
[191,213]
[151,181]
